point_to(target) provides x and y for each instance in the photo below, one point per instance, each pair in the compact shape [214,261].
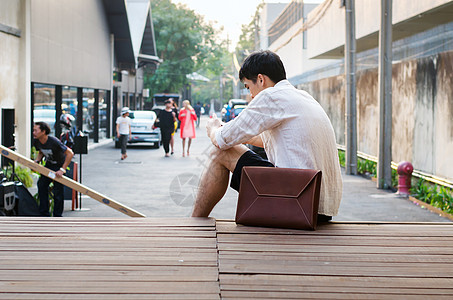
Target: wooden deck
[74,258]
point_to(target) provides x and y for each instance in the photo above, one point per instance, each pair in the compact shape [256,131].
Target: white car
[142,128]
[45,115]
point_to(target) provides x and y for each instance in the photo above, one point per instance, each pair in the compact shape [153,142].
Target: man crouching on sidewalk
[291,126]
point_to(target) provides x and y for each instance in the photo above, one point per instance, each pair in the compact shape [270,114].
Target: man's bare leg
[214,181]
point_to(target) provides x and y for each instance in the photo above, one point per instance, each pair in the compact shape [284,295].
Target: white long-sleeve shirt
[296,133]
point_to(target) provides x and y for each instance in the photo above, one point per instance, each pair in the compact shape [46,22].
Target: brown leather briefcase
[279,197]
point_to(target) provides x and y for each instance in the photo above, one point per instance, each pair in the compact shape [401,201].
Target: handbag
[279,197]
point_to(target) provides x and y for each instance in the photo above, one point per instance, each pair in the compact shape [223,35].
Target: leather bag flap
[279,182]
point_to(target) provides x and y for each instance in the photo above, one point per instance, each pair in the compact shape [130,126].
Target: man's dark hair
[265,63]
[43,126]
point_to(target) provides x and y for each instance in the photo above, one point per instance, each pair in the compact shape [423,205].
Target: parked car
[236,110]
[143,129]
[45,115]
[232,109]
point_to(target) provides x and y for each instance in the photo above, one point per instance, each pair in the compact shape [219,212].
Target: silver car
[142,128]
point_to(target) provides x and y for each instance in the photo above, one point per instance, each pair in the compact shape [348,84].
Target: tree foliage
[248,39]
[186,43]
[205,91]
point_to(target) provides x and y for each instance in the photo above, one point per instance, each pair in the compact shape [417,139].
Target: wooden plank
[328,257]
[117,287]
[336,268]
[389,241]
[336,281]
[200,254]
[69,182]
[336,229]
[336,249]
[142,262]
[347,290]
[238,295]
[171,274]
[102,267]
[81,296]
[168,223]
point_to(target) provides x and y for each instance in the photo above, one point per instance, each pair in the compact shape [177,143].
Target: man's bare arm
[256,141]
[69,154]
[39,157]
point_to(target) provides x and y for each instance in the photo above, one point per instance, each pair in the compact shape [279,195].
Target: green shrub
[341,157]
[440,197]
[443,199]
[24,174]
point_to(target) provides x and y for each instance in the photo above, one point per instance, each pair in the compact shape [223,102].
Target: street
[148,182]
[159,186]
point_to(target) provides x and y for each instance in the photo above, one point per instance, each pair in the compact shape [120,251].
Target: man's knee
[229,157]
[216,154]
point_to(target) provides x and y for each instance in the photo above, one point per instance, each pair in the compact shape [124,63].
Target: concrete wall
[295,59]
[15,69]
[422,94]
[443,106]
[329,32]
[70,43]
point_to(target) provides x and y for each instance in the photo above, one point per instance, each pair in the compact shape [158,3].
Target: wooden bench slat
[80,296]
[335,249]
[336,281]
[116,287]
[238,295]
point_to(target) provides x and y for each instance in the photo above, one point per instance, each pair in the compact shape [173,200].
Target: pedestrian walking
[176,111]
[197,109]
[58,157]
[123,130]
[167,119]
[187,117]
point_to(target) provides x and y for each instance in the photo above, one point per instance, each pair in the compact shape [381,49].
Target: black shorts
[249,158]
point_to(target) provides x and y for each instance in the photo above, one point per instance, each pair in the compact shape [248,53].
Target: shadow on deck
[183,258]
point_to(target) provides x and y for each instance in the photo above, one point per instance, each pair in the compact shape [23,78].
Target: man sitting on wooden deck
[291,126]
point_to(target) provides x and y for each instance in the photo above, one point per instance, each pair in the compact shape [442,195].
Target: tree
[248,40]
[185,43]
[205,91]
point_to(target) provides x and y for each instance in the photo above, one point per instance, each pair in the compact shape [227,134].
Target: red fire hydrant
[404,170]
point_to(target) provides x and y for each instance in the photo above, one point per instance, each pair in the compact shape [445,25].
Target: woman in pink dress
[187,117]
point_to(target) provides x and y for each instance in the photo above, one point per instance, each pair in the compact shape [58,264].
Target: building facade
[422,98]
[83,58]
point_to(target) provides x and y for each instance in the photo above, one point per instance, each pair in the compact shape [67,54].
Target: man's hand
[211,127]
[59,173]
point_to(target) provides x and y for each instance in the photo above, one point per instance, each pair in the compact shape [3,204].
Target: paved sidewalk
[165,187]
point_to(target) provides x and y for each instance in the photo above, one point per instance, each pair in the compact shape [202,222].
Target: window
[44,105]
[88,112]
[102,114]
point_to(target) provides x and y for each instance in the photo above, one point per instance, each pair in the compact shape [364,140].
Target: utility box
[7,198]
[80,145]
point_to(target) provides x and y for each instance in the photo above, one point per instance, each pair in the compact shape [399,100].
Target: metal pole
[80,181]
[351,106]
[384,170]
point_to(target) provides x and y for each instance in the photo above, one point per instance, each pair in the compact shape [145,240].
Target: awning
[119,27]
